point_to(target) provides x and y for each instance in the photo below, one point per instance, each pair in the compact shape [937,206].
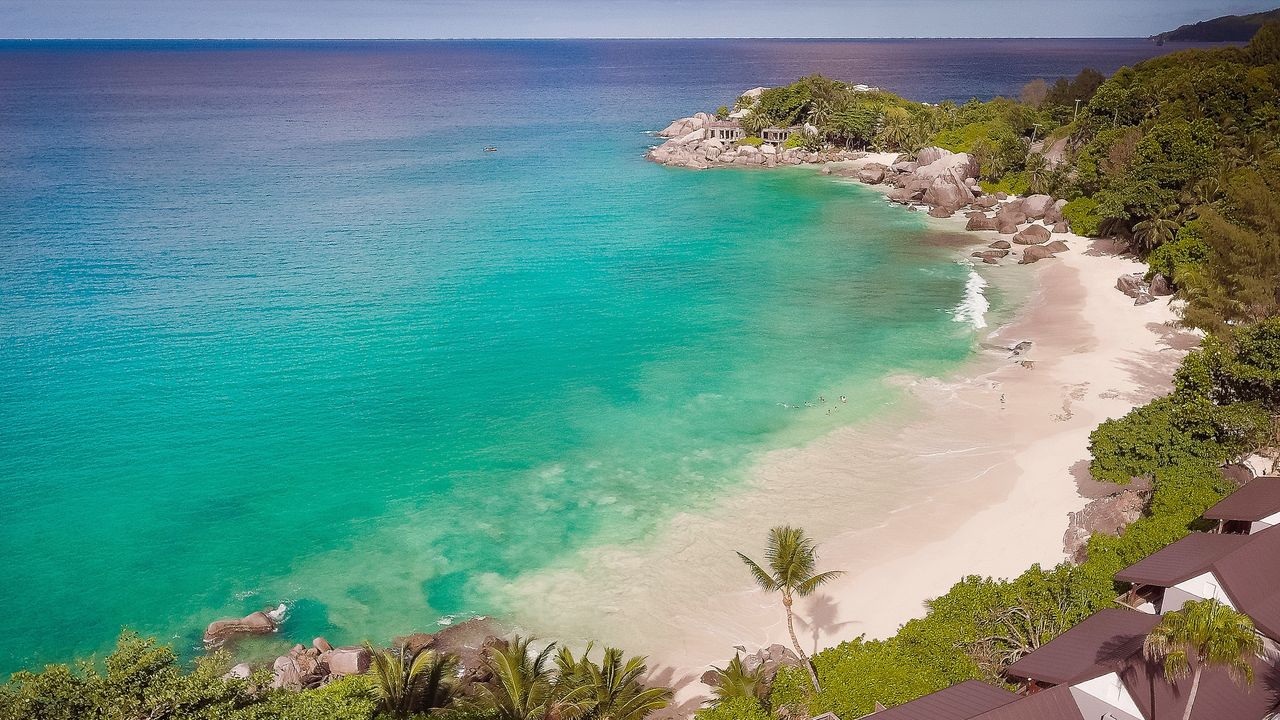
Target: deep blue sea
[273,327]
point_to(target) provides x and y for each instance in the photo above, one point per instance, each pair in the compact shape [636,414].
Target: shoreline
[997,451]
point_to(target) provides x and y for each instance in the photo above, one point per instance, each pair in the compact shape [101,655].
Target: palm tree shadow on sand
[664,676]
[821,618]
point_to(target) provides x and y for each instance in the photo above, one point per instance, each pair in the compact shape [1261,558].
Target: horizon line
[591,37]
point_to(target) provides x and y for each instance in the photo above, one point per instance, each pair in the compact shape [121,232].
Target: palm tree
[735,681]
[820,112]
[791,556]
[522,686]
[405,682]
[612,690]
[895,131]
[1158,229]
[1037,173]
[1202,634]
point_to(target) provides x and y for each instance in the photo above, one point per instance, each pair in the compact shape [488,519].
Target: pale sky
[604,18]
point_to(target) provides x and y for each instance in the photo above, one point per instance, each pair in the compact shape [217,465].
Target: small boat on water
[491,149]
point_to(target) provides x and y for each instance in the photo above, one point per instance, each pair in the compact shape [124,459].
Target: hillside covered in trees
[1228,28]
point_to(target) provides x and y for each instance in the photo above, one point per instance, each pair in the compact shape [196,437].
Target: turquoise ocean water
[276,329]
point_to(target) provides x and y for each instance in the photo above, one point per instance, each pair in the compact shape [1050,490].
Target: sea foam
[973,308]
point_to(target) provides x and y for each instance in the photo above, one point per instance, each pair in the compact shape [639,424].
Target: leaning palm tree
[405,682]
[791,557]
[522,682]
[1203,634]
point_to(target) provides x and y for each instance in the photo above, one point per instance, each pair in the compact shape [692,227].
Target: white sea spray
[973,308]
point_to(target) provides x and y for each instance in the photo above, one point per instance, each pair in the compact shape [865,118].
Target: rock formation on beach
[947,183]
[306,667]
[938,180]
[690,144]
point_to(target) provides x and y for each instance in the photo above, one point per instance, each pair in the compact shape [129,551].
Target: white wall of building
[1110,690]
[1201,587]
[1265,523]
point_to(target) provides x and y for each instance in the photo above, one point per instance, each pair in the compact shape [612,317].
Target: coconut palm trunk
[795,642]
[1191,696]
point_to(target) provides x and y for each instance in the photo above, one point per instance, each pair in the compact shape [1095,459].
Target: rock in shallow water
[1034,253]
[257,623]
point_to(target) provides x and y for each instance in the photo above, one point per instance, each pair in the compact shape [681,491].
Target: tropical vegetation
[142,678]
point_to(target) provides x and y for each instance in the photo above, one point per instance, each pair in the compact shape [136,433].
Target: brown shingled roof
[1056,703]
[1259,498]
[958,702]
[1182,560]
[1251,578]
[1097,646]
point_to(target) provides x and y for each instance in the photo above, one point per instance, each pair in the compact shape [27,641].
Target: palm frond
[813,582]
[762,578]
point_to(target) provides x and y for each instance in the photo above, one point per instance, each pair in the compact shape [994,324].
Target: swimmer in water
[844,399]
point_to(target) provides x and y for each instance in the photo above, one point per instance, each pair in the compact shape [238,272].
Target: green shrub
[966,137]
[1081,214]
[1174,259]
[1219,409]
[738,708]
[752,140]
[1014,183]
[804,141]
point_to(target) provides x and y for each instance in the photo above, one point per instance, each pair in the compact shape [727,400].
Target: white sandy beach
[983,478]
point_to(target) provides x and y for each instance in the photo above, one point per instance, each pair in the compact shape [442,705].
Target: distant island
[1228,28]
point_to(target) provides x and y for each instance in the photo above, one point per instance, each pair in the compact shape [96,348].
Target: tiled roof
[958,702]
[1258,499]
[1097,646]
[1056,703]
[1182,560]
[1251,578]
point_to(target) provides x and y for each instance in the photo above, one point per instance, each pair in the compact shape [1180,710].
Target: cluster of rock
[947,183]
[1136,286]
[469,641]
[311,667]
[694,149]
[1108,514]
[769,660]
